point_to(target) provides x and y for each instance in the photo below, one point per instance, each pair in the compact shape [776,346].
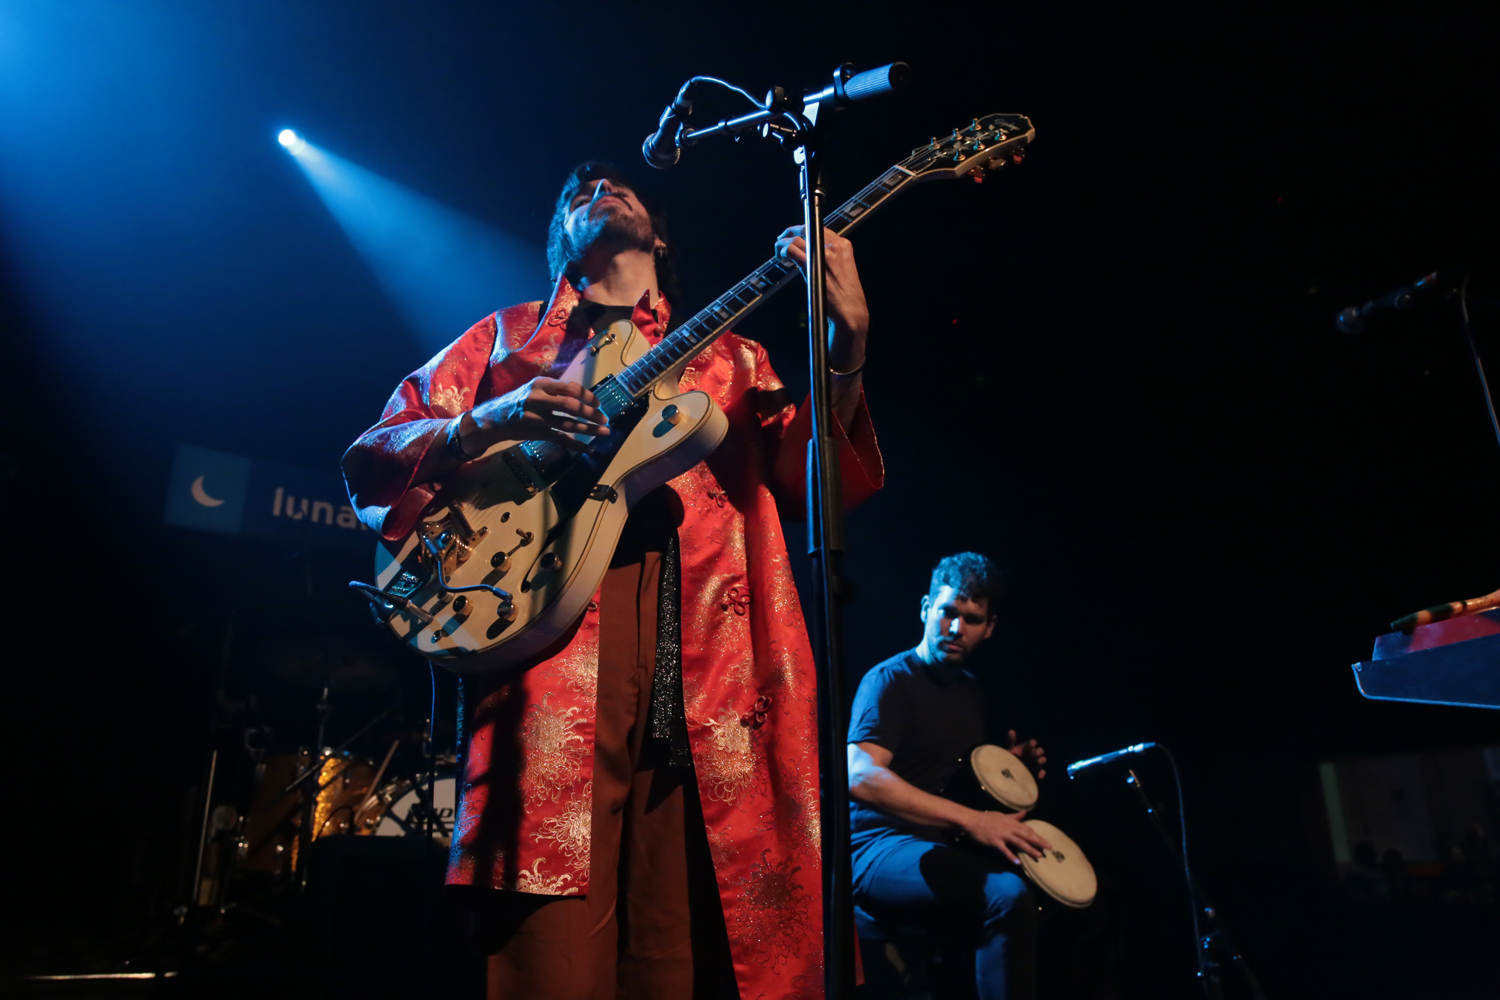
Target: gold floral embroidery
[771,912]
[450,398]
[570,830]
[723,845]
[579,665]
[796,805]
[728,767]
[553,751]
[532,880]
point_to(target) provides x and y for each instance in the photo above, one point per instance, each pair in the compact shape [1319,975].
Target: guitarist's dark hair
[560,250]
[972,576]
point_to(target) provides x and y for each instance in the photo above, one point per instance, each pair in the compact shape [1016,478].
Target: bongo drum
[1063,873]
[990,775]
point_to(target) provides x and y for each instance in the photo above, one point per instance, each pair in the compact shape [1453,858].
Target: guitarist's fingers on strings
[543,409]
[846,297]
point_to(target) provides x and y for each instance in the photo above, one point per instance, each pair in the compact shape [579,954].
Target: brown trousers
[651,927]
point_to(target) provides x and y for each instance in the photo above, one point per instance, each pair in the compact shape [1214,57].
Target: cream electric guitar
[517,541]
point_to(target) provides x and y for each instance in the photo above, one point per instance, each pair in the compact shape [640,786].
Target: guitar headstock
[987,144]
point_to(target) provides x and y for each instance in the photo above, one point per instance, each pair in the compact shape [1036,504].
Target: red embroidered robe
[749,687]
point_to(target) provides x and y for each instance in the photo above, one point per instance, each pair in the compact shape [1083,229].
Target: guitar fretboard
[760,284]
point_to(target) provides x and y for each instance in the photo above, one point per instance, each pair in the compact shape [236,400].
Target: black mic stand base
[1213,947]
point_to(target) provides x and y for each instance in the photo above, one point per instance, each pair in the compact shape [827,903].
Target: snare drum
[990,775]
[1064,872]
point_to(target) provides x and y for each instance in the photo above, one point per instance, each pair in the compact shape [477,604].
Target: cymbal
[318,661]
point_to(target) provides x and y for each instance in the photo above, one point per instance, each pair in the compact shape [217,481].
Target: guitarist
[639,809]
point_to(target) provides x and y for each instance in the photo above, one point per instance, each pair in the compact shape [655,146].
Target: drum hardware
[368,813]
[327,753]
[409,811]
[208,798]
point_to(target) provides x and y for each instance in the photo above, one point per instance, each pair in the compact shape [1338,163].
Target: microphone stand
[825,530]
[1209,978]
[825,547]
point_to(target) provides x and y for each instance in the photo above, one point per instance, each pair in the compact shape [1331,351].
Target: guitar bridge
[451,540]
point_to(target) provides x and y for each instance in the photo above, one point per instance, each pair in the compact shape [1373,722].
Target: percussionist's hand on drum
[1031,754]
[1006,834]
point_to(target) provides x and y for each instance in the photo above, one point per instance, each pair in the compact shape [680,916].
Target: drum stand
[316,759]
[1212,945]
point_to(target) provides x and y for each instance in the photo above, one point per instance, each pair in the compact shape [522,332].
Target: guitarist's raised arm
[861,469]
[848,315]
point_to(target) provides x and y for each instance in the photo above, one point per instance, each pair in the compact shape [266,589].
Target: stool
[912,961]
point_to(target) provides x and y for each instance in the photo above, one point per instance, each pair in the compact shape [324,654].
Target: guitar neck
[683,344]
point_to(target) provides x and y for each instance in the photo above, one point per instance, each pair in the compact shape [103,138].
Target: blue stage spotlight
[291,140]
[441,269]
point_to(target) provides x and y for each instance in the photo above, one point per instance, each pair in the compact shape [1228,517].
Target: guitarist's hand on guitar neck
[543,409]
[848,315]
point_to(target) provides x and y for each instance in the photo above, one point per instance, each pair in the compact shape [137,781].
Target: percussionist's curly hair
[972,576]
[561,254]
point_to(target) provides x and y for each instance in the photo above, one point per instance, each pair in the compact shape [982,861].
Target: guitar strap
[666,723]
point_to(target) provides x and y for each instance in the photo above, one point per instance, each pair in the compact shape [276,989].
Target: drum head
[1063,872]
[1004,777]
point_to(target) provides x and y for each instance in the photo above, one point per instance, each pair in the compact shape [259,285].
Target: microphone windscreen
[874,82]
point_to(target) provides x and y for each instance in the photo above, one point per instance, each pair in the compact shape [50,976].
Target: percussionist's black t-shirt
[928,716]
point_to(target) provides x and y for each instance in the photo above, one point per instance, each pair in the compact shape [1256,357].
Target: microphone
[1353,319]
[849,87]
[663,148]
[1082,765]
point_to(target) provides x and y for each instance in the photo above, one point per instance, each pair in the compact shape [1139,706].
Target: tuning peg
[978,175]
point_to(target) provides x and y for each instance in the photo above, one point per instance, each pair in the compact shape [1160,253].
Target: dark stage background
[1113,368]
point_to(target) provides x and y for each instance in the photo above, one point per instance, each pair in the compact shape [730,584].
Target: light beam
[443,270]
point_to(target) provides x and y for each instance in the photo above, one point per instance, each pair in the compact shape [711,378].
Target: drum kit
[349,795]
[302,795]
[991,775]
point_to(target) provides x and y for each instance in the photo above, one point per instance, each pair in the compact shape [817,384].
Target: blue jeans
[903,880]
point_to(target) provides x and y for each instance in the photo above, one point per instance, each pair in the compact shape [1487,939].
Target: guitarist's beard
[611,233]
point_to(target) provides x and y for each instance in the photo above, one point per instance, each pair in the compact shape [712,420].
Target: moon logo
[201,495]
